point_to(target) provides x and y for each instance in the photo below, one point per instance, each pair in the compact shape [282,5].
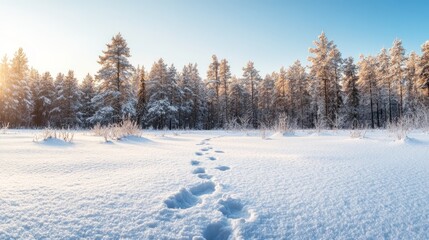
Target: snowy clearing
[215,185]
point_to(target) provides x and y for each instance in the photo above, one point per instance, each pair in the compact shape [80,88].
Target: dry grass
[117,131]
[63,134]
[4,128]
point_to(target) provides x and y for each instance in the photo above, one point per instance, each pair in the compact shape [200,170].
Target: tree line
[331,92]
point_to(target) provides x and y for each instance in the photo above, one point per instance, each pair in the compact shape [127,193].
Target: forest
[331,92]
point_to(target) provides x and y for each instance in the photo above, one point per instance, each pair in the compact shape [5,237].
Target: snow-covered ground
[215,185]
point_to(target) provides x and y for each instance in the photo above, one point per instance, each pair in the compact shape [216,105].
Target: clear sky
[70,34]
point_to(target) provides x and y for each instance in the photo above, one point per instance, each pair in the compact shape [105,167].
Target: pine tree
[351,93]
[384,88]
[266,101]
[59,101]
[141,96]
[213,85]
[70,112]
[367,83]
[199,110]
[187,104]
[237,95]
[336,72]
[298,100]
[251,81]
[160,109]
[192,104]
[424,72]
[411,91]
[19,92]
[4,90]
[325,71]
[114,94]
[174,96]
[280,92]
[87,109]
[224,78]
[43,94]
[396,72]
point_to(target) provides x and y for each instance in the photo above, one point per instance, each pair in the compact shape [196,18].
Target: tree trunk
[372,112]
[390,105]
[326,98]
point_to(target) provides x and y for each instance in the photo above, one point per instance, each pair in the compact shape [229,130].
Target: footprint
[195,163]
[219,151]
[204,149]
[204,176]
[232,208]
[222,168]
[217,230]
[211,158]
[152,224]
[181,200]
[199,170]
[203,188]
[199,153]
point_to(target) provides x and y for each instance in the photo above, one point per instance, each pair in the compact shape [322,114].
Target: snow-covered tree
[88,91]
[213,86]
[19,104]
[424,72]
[160,108]
[384,88]
[238,96]
[114,96]
[192,104]
[43,94]
[71,117]
[336,72]
[4,89]
[299,98]
[396,72]
[224,78]
[367,83]
[325,71]
[174,96]
[141,95]
[251,80]
[280,92]
[411,84]
[266,101]
[351,93]
[59,101]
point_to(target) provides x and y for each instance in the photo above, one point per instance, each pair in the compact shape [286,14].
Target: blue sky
[62,35]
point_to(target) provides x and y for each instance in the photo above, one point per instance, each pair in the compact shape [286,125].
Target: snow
[215,185]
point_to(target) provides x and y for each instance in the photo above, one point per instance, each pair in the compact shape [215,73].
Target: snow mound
[412,141]
[282,134]
[320,134]
[135,139]
[55,142]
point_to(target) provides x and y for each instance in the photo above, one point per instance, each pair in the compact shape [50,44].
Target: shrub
[117,131]
[4,127]
[358,133]
[63,134]
[401,128]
